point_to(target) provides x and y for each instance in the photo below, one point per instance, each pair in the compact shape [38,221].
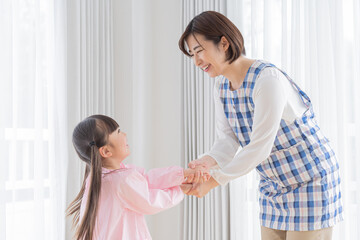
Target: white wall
[147,63]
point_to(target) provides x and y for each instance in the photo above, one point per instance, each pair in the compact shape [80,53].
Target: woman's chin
[212,75]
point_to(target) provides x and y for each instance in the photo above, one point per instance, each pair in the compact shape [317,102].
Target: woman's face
[206,55]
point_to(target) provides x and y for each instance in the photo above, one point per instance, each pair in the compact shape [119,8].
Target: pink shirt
[127,194]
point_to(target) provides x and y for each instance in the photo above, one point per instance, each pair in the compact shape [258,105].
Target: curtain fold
[90,76]
[33,128]
[205,218]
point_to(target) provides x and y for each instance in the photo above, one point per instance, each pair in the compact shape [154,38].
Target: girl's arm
[136,194]
[161,178]
[166,177]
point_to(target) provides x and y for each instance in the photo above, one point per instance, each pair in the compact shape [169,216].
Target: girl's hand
[199,189]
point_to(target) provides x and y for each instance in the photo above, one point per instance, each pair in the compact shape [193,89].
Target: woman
[260,108]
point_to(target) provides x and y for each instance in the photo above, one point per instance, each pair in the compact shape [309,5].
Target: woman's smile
[206,68]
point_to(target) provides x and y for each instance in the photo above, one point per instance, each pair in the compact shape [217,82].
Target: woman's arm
[270,99]
[226,143]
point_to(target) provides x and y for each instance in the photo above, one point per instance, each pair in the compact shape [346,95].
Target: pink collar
[106,170]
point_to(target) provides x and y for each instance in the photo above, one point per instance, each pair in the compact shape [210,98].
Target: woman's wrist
[210,161]
[212,183]
[205,161]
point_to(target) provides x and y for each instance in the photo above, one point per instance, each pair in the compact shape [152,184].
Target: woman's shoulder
[271,78]
[268,72]
[269,69]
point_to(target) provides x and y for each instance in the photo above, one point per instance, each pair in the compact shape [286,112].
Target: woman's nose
[197,60]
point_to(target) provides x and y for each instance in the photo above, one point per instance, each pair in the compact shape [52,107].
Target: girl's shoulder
[125,172]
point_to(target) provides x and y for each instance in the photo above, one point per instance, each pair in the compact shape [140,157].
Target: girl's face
[206,55]
[118,145]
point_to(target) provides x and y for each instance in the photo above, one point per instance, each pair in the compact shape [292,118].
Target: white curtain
[317,44]
[33,119]
[90,76]
[148,91]
[56,68]
[206,218]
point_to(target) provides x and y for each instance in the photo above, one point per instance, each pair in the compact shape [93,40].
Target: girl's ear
[224,43]
[105,152]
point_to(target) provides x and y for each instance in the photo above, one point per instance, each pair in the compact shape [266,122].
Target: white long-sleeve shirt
[274,98]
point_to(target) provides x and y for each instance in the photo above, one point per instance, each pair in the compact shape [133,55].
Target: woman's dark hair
[88,136]
[213,25]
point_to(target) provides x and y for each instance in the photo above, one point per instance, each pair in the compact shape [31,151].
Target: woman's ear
[224,43]
[105,152]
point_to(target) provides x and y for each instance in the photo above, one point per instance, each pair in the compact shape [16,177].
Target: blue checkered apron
[299,182]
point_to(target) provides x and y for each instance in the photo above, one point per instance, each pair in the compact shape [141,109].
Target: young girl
[114,197]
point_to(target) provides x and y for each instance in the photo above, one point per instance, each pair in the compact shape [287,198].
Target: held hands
[198,174]
[198,170]
[195,185]
[199,189]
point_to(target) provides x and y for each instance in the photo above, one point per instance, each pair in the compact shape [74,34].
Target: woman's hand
[186,188]
[206,162]
[199,189]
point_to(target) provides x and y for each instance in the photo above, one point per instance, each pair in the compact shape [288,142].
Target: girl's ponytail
[74,207]
[87,224]
[88,136]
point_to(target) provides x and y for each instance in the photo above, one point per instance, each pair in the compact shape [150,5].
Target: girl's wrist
[188,172]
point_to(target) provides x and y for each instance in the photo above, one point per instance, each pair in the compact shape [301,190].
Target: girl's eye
[199,51]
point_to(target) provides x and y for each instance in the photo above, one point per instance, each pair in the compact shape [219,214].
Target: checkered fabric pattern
[299,182]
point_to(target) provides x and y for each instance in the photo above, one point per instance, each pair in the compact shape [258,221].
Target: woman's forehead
[194,41]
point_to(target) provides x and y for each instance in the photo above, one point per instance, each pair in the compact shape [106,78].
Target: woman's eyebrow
[195,48]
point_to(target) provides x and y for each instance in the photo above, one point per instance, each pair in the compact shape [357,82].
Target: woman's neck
[236,71]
